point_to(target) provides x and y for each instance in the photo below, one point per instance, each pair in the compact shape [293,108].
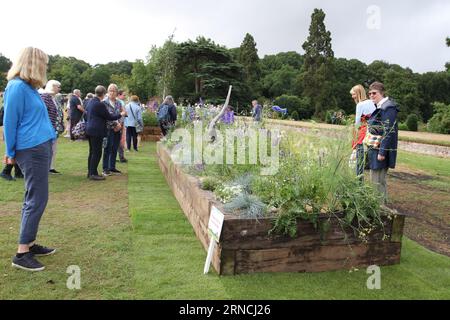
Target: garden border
[246,247]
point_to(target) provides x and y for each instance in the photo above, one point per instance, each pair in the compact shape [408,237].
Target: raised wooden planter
[151,134]
[246,247]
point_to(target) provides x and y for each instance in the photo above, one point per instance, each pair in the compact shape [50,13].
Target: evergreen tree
[318,74]
[205,69]
[248,57]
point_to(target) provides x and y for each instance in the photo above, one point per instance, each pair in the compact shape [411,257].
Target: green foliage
[295,116]
[3,82]
[361,205]
[205,69]
[402,126]
[337,117]
[295,104]
[318,71]
[142,81]
[348,74]
[249,59]
[271,63]
[315,181]
[78,74]
[280,81]
[412,122]
[403,86]
[68,71]
[210,183]
[440,123]
[433,87]
[150,119]
[163,63]
[5,64]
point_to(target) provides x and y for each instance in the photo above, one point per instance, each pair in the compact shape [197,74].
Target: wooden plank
[252,235]
[316,259]
[398,226]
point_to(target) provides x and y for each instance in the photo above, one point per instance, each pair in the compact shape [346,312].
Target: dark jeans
[165,127]
[8,170]
[35,164]
[131,133]
[95,154]
[360,161]
[110,152]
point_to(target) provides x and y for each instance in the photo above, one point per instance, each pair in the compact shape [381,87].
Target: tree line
[309,85]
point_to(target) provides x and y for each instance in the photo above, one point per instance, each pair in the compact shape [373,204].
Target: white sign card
[215,230]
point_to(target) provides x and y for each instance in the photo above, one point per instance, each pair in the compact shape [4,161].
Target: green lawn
[435,166]
[132,241]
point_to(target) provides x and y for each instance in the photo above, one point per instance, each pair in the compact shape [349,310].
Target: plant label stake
[214,229]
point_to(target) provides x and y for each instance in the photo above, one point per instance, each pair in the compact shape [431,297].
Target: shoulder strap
[131,108]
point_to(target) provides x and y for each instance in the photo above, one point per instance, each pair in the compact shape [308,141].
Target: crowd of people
[34,119]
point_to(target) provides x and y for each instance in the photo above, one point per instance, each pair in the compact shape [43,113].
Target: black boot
[6,173]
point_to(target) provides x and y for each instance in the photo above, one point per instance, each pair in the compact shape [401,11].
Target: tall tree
[68,71]
[142,81]
[205,69]
[248,57]
[163,61]
[318,74]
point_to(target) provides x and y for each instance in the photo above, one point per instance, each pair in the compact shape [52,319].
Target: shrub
[295,116]
[440,123]
[302,106]
[336,117]
[412,122]
[150,119]
[210,184]
[402,126]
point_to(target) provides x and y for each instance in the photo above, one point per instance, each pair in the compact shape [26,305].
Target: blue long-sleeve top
[134,112]
[26,120]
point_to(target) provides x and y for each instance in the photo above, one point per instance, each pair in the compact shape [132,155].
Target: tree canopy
[309,84]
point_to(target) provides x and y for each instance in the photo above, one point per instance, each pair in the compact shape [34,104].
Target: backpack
[163,113]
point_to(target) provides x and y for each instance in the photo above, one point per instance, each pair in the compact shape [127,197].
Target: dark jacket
[257,113]
[384,122]
[75,113]
[97,116]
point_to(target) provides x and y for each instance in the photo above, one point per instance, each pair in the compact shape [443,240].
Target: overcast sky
[410,33]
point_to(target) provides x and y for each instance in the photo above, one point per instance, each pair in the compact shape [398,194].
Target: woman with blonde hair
[29,135]
[364,109]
